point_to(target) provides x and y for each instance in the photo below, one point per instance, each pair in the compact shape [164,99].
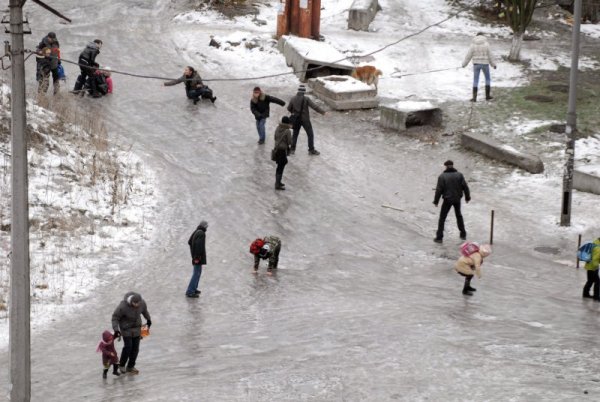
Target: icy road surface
[365,306]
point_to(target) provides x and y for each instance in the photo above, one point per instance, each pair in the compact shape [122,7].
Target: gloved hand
[435,203]
[117,334]
[148,323]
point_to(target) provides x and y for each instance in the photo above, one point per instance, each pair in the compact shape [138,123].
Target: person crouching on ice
[109,353]
[471,265]
[269,249]
[194,87]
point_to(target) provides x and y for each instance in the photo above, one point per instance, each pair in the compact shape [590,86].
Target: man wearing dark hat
[259,105]
[450,186]
[300,117]
[48,60]
[197,243]
[126,322]
[283,144]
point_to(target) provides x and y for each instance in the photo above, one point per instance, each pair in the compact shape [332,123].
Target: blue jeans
[260,127]
[193,286]
[477,68]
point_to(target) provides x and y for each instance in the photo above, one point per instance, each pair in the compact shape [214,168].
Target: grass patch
[544,86]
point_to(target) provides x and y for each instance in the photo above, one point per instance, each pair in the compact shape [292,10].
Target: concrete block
[404,115]
[344,92]
[305,54]
[502,152]
[361,14]
[588,181]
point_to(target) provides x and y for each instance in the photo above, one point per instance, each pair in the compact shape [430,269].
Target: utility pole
[19,333]
[571,129]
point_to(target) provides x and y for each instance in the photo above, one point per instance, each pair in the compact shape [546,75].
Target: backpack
[468,248]
[585,252]
[256,246]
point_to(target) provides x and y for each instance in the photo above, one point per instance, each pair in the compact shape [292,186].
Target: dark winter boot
[115,370]
[467,288]
[586,295]
[104,373]
[292,151]
[474,98]
[213,99]
[487,93]
[278,185]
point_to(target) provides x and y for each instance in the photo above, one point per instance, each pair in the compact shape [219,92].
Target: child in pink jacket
[471,265]
[109,354]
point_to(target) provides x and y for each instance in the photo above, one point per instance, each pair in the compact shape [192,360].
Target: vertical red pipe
[294,16]
[305,18]
[316,19]
[283,18]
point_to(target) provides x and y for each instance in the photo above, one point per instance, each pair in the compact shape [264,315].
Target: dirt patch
[559,88]
[229,8]
[539,98]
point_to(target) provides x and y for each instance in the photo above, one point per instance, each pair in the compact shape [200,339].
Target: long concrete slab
[305,54]
[344,92]
[587,180]
[361,14]
[502,152]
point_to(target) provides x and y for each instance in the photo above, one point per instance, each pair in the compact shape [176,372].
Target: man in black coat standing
[450,186]
[197,244]
[260,108]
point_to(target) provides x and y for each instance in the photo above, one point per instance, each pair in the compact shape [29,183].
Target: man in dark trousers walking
[450,186]
[197,244]
[260,108]
[298,107]
[126,322]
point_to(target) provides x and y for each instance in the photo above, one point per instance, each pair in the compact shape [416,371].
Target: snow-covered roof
[320,52]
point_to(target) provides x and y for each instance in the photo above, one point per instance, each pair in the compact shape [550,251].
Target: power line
[381,49]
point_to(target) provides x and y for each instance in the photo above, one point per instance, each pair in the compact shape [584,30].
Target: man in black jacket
[259,106]
[451,185]
[88,65]
[298,107]
[197,244]
[126,322]
[48,64]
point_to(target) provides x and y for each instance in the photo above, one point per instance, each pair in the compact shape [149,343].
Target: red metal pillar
[283,18]
[294,16]
[316,19]
[305,18]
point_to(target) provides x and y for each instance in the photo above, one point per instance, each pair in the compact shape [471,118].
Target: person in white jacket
[479,52]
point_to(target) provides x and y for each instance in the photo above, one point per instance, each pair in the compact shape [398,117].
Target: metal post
[492,228]
[19,333]
[283,18]
[316,19]
[305,19]
[578,247]
[571,130]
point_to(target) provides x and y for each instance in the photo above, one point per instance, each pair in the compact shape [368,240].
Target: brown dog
[367,74]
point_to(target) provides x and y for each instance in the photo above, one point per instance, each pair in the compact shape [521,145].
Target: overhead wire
[262,77]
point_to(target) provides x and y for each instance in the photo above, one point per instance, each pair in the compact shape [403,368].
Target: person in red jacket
[109,353]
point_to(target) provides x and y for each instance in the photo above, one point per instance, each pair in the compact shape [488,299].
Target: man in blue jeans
[260,108]
[197,244]
[479,52]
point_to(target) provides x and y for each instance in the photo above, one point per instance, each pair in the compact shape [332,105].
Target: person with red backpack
[469,264]
[267,248]
[591,267]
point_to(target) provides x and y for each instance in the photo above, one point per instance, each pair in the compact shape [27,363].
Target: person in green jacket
[592,273]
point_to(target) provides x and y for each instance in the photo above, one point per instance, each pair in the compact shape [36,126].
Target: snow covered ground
[91,208]
[441,47]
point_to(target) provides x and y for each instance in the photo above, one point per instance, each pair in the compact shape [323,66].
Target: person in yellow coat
[471,265]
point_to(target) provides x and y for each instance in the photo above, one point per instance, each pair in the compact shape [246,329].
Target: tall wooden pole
[19,333]
[294,15]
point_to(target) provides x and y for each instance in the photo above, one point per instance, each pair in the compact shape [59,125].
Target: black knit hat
[448,163]
[286,120]
[51,35]
[301,88]
[256,89]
